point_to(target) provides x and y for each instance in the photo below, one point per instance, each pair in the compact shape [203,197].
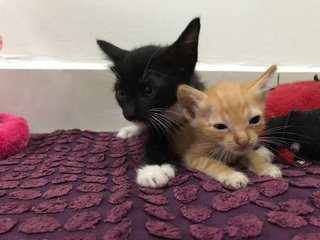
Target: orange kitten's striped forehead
[233,103]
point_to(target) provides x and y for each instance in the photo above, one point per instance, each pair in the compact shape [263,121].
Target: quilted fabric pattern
[79,185]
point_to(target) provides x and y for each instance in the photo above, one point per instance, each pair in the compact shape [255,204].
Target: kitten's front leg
[157,169]
[217,170]
[258,162]
[129,131]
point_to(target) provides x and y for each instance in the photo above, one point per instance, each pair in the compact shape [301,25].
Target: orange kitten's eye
[255,119]
[220,126]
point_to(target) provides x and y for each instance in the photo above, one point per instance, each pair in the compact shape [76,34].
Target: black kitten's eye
[149,91]
[120,94]
[255,119]
[220,126]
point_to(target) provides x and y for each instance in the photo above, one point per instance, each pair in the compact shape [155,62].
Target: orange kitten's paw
[271,171]
[155,176]
[234,179]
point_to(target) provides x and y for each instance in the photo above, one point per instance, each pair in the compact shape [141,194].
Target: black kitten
[147,80]
[298,131]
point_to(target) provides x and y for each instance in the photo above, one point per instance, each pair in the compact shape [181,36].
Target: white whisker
[148,63]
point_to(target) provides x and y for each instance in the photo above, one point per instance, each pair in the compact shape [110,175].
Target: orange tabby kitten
[223,127]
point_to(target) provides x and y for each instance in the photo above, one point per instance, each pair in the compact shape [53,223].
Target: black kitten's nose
[129,112]
[130,116]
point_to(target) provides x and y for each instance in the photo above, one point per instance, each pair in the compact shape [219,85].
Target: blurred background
[53,74]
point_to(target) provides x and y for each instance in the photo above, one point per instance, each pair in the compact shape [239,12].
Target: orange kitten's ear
[261,84]
[190,100]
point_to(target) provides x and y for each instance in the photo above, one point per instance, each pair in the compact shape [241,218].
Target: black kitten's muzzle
[130,115]
[129,112]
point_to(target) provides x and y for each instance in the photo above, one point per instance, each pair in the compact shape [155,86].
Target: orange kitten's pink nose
[243,142]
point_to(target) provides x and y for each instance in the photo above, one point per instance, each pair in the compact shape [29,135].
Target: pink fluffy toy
[14,135]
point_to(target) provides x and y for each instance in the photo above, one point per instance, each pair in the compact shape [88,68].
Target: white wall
[234,32]
[64,99]
[61,99]
[47,34]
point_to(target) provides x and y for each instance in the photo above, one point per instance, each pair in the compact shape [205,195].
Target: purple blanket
[80,185]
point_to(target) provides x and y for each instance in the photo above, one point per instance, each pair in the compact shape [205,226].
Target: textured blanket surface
[80,185]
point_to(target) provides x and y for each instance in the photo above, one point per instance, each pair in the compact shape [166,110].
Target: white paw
[271,171]
[155,175]
[168,170]
[234,179]
[129,131]
[266,153]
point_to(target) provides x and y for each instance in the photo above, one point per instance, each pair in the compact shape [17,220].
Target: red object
[1,43]
[14,135]
[286,156]
[302,95]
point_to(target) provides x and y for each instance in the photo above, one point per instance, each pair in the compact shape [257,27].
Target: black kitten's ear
[185,49]
[113,52]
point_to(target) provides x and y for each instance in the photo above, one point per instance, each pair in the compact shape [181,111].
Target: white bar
[103,66]
[238,68]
